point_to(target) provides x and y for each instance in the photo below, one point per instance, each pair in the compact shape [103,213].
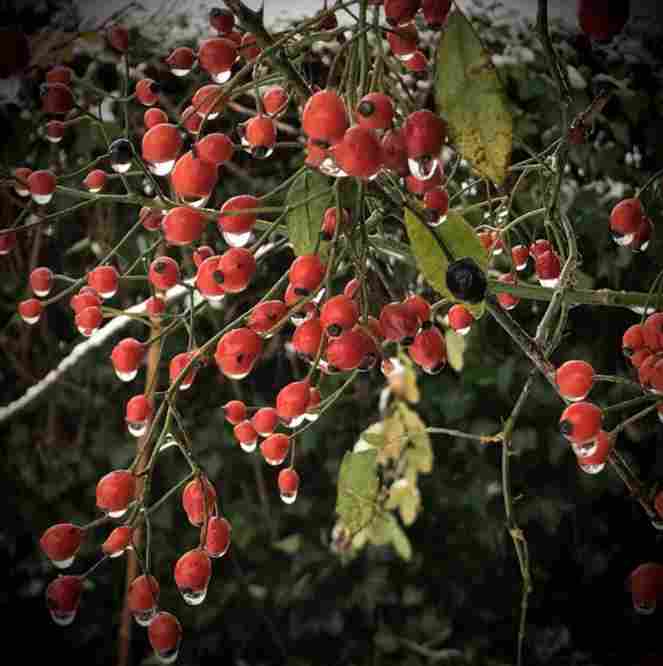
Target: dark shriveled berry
[466,281]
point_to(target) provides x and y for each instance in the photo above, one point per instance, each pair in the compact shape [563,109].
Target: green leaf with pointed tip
[400,541]
[460,240]
[305,219]
[456,345]
[357,489]
[470,96]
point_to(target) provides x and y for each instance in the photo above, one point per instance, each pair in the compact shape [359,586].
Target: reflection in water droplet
[274,461]
[117,514]
[196,203]
[42,199]
[289,498]
[137,428]
[644,607]
[121,167]
[63,564]
[161,168]
[237,240]
[194,597]
[179,72]
[248,447]
[593,468]
[551,283]
[312,416]
[585,450]
[404,57]
[62,619]
[222,77]
[143,618]
[126,376]
[624,240]
[168,441]
[30,320]
[108,294]
[423,168]
[437,221]
[293,423]
[167,656]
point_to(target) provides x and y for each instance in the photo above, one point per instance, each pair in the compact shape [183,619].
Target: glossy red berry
[222,20]
[151,218]
[192,121]
[538,247]
[602,21]
[266,315]
[95,181]
[633,339]
[275,448]
[519,257]
[160,147]
[643,235]
[401,12]
[428,350]
[420,186]
[216,148]
[181,60]
[138,413]
[324,119]
[217,539]
[652,331]
[164,273]
[507,301]
[192,178]
[580,422]
[126,357]
[307,338]
[399,323]
[60,74]
[375,111]
[208,101]
[403,41]
[57,99]
[237,352]
[209,279]
[177,366]
[329,222]
[246,435]
[645,583]
[435,12]
[237,216]
[54,131]
[115,491]
[292,400]
[625,220]
[306,274]
[165,636]
[118,37]
[235,269]
[147,92]
[394,153]
[142,599]
[42,186]
[63,596]
[592,458]
[155,306]
[259,136]
[424,134]
[347,351]
[192,575]
[419,306]
[41,281]
[359,153]
[201,253]
[118,541]
[88,320]
[417,63]
[235,411]
[249,50]
[288,482]
[574,380]
[183,225]
[548,268]
[195,494]
[460,319]
[30,310]
[275,101]
[61,542]
[265,421]
[21,186]
[436,200]
[104,280]
[217,56]
[338,314]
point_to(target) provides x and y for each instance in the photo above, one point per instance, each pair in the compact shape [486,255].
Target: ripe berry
[217,56]
[265,421]
[592,459]
[419,306]
[306,274]
[88,320]
[266,315]
[118,541]
[165,636]
[138,413]
[625,220]
[394,153]
[235,269]
[54,131]
[652,331]
[216,148]
[507,301]
[275,101]
[142,599]
[222,20]
[643,235]
[104,280]
[41,281]
[347,351]
[115,491]
[419,186]
[208,101]
[288,482]
[359,153]
[329,221]
[646,369]
[352,288]
[580,422]
[292,400]
[424,134]
[164,273]
[436,201]
[63,596]
[126,356]
[400,12]
[645,583]
[217,540]
[42,186]
[7,241]
[181,60]
[435,12]
[429,350]
[201,253]
[209,279]
[460,319]
[235,411]
[259,136]
[177,365]
[519,257]
[193,179]
[639,357]
[324,119]
[399,323]
[192,575]
[237,218]
[275,448]
[375,111]
[151,218]
[147,92]
[602,21]
[59,74]
[191,121]
[56,98]
[30,310]
[118,38]
[195,494]
[633,340]
[403,41]
[417,63]
[60,543]
[466,281]
[95,180]
[246,435]
[160,147]
[300,311]
[248,48]
[183,225]
[574,380]
[338,314]
[307,338]
[548,268]
[21,186]
[237,351]
[155,306]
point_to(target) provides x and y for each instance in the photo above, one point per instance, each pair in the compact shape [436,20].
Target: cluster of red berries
[642,345]
[629,225]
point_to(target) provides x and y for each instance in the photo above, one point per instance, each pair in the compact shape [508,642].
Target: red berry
[41,281]
[538,247]
[394,153]
[375,111]
[183,225]
[181,60]
[548,268]
[104,280]
[633,339]
[139,410]
[192,575]
[126,356]
[419,306]
[191,121]
[42,186]
[400,12]
[398,323]
[118,541]
[519,257]
[338,314]
[177,365]
[435,12]
[147,92]
[403,41]
[222,20]
[429,350]
[59,74]
[192,178]
[645,583]
[164,273]
[306,274]
[643,235]
[437,200]
[594,461]
[352,288]
[460,319]
[63,596]
[118,38]
[328,228]
[307,338]
[359,153]
[95,181]
[217,539]
[580,422]
[324,119]
[625,220]
[201,253]
[160,147]
[507,301]
[646,369]
[216,148]
[235,269]
[248,49]
[236,214]
[574,380]
[347,351]
[155,306]
[275,101]
[266,315]
[417,63]
[652,331]
[420,186]
[292,400]
[235,411]
[217,56]
[54,131]
[115,491]
[209,279]
[246,435]
[237,351]
[30,310]
[151,218]
[208,101]
[88,320]
[424,134]
[275,448]
[259,135]
[639,357]
[165,636]
[195,494]
[142,599]
[288,482]
[60,543]
[265,421]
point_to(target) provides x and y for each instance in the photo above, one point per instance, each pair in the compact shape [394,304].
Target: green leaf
[405,497]
[460,240]
[357,489]
[305,220]
[469,95]
[419,452]
[400,541]
[456,345]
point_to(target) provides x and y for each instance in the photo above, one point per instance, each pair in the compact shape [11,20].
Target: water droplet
[312,416]
[329,168]
[215,298]
[185,385]
[551,283]
[289,498]
[194,597]
[22,192]
[657,524]
[41,292]
[521,267]
[143,618]
[127,376]
[624,240]
[644,246]
[275,461]
[168,441]
[54,139]
[404,57]
[644,607]
[585,450]
[95,190]
[161,168]
[437,221]
[222,77]
[62,619]
[121,167]
[118,553]
[423,168]
[137,428]
[239,375]
[42,199]
[297,421]
[196,203]
[237,239]
[179,72]
[261,152]
[87,332]
[464,331]
[592,468]
[117,514]
[108,294]
[63,564]
[248,447]
[508,306]
[435,370]
[167,656]
[31,320]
